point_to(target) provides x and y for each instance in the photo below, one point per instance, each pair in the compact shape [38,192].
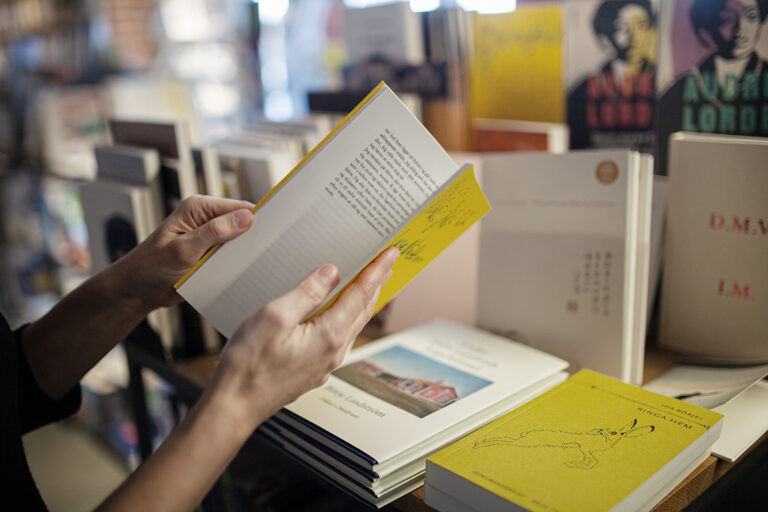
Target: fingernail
[243,218]
[330,275]
[394,253]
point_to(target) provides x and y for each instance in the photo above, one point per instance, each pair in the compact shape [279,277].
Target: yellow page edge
[402,276]
[298,166]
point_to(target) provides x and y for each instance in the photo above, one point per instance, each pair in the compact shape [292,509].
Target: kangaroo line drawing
[586,444]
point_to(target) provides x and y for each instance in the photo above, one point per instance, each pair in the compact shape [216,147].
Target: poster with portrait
[712,74]
[610,48]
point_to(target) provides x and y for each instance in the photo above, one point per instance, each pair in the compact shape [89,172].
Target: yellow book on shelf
[378,179]
[592,443]
[516,65]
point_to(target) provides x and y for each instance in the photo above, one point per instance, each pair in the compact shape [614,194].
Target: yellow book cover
[516,66]
[591,443]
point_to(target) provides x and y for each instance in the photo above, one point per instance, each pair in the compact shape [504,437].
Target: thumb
[219,230]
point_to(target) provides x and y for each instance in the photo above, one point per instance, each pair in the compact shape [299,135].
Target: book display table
[709,484]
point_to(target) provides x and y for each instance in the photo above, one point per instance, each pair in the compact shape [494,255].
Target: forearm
[179,474]
[71,338]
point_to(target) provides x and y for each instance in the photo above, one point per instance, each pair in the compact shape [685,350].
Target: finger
[217,231]
[365,316]
[197,210]
[358,323]
[358,300]
[279,317]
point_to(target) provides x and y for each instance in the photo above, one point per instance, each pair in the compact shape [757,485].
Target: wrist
[236,405]
[115,284]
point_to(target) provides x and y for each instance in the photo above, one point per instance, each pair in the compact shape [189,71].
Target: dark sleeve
[35,407]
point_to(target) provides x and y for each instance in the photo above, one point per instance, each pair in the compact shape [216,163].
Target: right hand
[273,357]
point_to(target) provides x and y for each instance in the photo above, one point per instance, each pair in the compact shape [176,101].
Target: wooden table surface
[200,370]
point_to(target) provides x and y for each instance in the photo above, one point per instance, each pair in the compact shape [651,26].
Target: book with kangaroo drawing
[397,400]
[379,179]
[591,443]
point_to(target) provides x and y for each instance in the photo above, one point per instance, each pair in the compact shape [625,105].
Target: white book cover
[558,256]
[714,301]
[395,393]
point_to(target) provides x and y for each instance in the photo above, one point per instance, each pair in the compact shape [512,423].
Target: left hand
[147,273]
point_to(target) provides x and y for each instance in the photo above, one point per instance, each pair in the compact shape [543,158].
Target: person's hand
[273,357]
[145,276]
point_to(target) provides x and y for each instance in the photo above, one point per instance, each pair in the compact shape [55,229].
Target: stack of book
[591,443]
[396,401]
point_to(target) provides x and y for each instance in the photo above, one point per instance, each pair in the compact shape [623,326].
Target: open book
[378,179]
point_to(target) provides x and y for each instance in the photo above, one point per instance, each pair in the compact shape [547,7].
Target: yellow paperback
[591,443]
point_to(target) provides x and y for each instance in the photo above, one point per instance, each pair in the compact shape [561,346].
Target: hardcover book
[378,180]
[564,255]
[714,296]
[591,443]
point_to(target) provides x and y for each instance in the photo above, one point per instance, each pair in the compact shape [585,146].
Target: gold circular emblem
[607,171]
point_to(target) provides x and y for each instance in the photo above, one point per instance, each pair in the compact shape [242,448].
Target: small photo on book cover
[410,381]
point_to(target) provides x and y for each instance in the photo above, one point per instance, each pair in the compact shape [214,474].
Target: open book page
[452,211]
[339,206]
